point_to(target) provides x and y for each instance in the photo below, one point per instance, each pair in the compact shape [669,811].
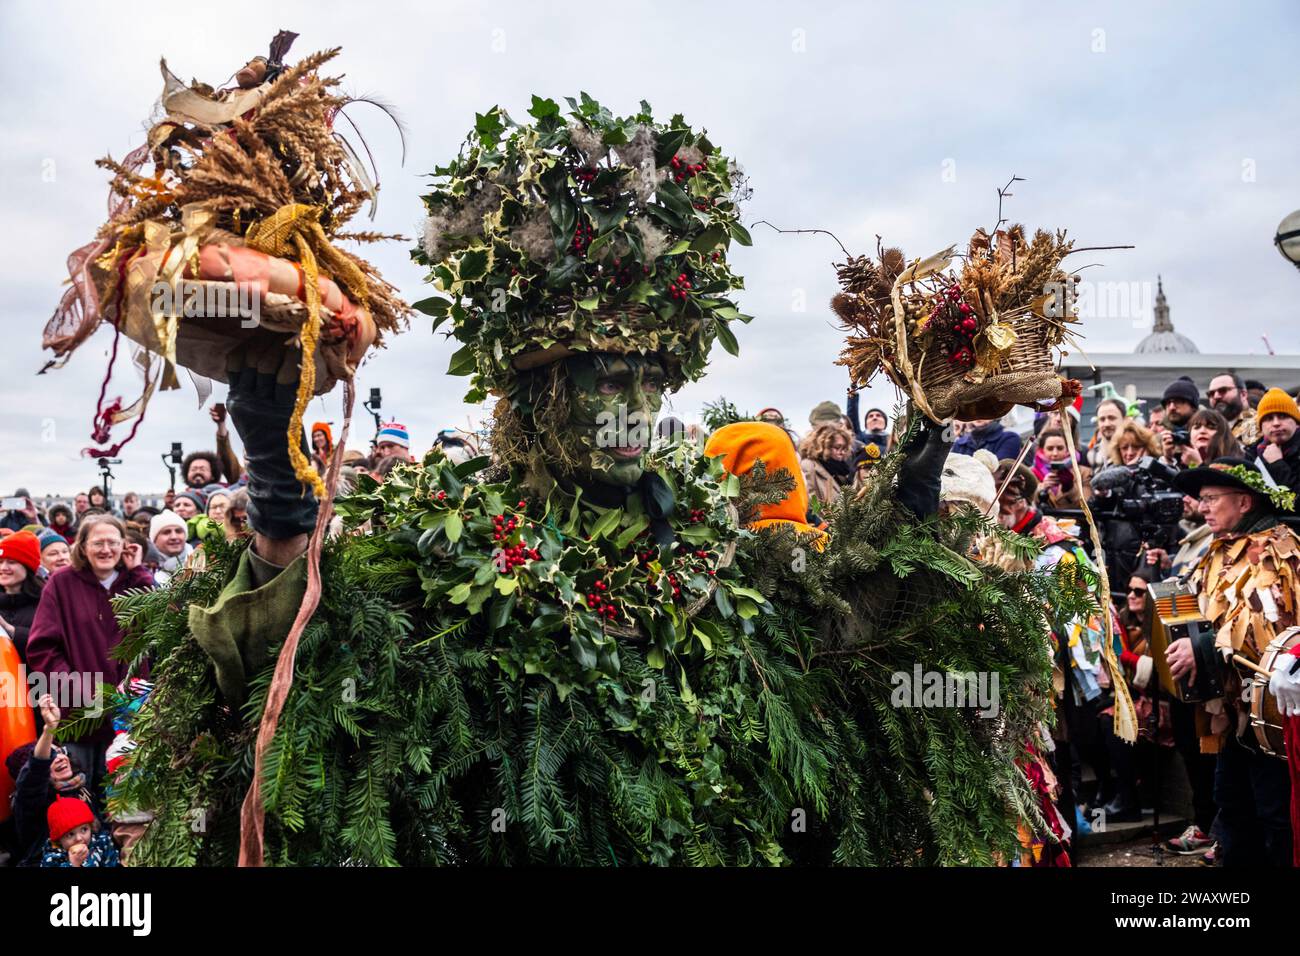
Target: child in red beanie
[74,837]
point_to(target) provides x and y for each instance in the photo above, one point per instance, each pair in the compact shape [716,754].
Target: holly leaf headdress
[582,232]
[1283,498]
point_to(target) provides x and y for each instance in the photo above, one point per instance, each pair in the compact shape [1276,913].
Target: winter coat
[32,798]
[103,852]
[821,483]
[68,531]
[19,610]
[1002,443]
[15,520]
[1286,470]
[75,629]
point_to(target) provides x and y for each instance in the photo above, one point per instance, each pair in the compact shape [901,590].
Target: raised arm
[281,511]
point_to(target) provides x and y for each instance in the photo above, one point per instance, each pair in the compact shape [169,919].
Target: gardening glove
[922,468]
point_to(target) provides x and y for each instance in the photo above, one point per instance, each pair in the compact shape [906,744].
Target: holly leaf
[630,532]
[463,362]
[473,264]
[747,593]
[467,468]
[500,611]
[706,241]
[726,337]
[674,199]
[434,305]
[454,526]
[605,523]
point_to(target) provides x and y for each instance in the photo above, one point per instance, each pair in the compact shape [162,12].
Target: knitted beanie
[394,432]
[23,548]
[1275,402]
[67,813]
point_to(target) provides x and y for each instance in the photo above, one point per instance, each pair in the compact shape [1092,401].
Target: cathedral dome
[1163,338]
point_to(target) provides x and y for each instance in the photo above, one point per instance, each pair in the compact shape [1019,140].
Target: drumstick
[1251,664]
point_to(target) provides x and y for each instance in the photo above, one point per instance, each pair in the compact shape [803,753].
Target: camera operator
[1135,502]
[1180,401]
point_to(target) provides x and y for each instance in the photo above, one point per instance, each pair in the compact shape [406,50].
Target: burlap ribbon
[252,813]
[294,231]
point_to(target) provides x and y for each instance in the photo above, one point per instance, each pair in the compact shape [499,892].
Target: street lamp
[1287,239]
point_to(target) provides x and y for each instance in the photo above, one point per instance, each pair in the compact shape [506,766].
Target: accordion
[1173,613]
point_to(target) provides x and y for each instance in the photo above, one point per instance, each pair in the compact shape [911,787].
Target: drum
[1172,613]
[1265,718]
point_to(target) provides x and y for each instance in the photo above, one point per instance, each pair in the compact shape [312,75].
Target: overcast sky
[1171,127]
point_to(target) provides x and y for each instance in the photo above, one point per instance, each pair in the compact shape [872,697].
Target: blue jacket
[103,852]
[1002,443]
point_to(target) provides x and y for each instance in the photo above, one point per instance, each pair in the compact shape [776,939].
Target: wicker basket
[1027,374]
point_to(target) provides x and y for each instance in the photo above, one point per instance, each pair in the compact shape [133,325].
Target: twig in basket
[1003,194]
[764,222]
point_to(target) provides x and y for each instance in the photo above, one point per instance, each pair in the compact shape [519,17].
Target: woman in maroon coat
[74,630]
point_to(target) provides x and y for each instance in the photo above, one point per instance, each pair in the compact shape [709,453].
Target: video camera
[1143,496]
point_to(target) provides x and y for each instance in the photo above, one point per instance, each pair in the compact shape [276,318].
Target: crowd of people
[61,566]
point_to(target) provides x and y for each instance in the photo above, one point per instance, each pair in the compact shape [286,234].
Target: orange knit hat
[329,435]
[1275,402]
[744,443]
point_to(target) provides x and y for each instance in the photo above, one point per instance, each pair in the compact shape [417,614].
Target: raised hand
[49,711]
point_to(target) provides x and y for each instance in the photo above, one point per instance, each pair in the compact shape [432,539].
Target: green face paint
[614,401]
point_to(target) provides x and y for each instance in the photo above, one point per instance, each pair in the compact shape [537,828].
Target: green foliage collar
[558,582]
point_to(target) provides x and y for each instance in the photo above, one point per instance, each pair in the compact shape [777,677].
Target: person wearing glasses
[75,630]
[1246,585]
[1227,396]
[1138,667]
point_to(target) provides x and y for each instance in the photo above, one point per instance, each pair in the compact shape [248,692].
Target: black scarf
[841,471]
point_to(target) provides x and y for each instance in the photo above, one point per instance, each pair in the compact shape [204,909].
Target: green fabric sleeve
[251,616]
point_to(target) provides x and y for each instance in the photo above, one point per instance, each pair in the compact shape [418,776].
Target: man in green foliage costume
[576,652]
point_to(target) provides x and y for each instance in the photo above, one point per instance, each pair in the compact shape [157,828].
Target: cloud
[1176,136]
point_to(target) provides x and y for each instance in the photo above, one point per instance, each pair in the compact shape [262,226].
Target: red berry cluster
[697,516]
[702,204]
[953,319]
[582,237]
[442,496]
[503,528]
[679,288]
[585,176]
[684,171]
[515,554]
[599,603]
